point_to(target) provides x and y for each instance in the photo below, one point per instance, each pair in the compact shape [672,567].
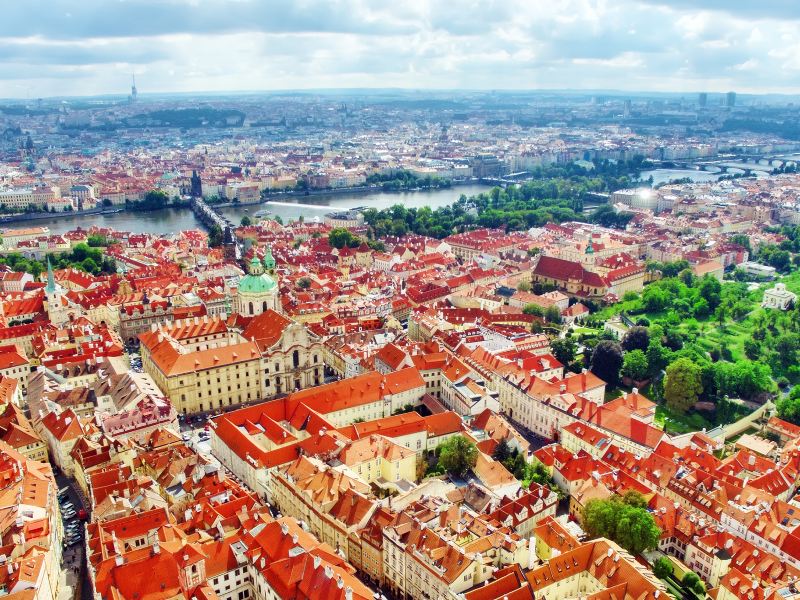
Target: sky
[88,47]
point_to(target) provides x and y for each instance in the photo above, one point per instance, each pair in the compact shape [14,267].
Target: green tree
[663,567]
[710,290]
[457,455]
[635,499]
[690,580]
[742,240]
[607,361]
[90,266]
[215,236]
[636,338]
[682,385]
[516,464]
[631,526]
[564,350]
[634,365]
[752,349]
[153,200]
[304,283]
[97,240]
[788,407]
[657,357]
[340,237]
[533,309]
[553,315]
[502,451]
[524,286]
[246,221]
[80,252]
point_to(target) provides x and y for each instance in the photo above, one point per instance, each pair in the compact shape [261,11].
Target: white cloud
[55,47]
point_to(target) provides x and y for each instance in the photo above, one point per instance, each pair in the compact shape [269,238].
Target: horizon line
[407,90]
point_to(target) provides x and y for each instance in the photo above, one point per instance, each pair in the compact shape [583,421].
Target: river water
[174,220]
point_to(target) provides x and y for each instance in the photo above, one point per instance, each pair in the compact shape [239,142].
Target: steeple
[51,280]
[133,88]
[269,260]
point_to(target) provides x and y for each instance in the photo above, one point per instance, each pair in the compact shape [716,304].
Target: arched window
[264,306]
[251,309]
[296,358]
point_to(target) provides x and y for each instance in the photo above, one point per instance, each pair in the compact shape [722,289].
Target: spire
[51,280]
[269,260]
[132,97]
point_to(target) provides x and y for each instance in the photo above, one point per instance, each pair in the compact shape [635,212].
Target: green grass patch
[791,281]
[677,423]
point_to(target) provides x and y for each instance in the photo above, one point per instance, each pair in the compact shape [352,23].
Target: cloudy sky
[76,47]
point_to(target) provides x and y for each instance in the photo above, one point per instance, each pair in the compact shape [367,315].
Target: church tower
[54,304]
[257,292]
[134,93]
[269,263]
[197,185]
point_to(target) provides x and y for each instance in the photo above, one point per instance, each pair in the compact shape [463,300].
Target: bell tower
[54,305]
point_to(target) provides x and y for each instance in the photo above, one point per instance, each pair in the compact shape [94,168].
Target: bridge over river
[210,218]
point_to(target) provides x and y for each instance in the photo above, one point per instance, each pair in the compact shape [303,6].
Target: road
[74,556]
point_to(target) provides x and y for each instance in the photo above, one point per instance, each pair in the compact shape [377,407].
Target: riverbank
[366,189]
[46,215]
[286,206]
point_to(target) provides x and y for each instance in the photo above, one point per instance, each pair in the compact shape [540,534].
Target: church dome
[256,284]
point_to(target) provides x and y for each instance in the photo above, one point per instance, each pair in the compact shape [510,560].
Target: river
[714,172]
[172,220]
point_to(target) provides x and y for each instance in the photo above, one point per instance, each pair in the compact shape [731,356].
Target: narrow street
[74,557]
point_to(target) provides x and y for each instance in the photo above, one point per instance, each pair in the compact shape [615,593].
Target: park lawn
[732,337]
[677,423]
[791,281]
[583,330]
[611,310]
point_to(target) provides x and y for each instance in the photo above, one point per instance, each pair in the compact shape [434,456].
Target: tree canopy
[636,338]
[788,407]
[341,237]
[457,455]
[607,360]
[634,365]
[623,520]
[682,385]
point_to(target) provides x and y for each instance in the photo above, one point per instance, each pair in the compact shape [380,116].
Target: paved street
[76,578]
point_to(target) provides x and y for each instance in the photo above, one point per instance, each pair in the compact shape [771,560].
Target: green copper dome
[255,267]
[256,284]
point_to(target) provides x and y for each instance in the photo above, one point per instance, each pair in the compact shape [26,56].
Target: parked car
[69,514]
